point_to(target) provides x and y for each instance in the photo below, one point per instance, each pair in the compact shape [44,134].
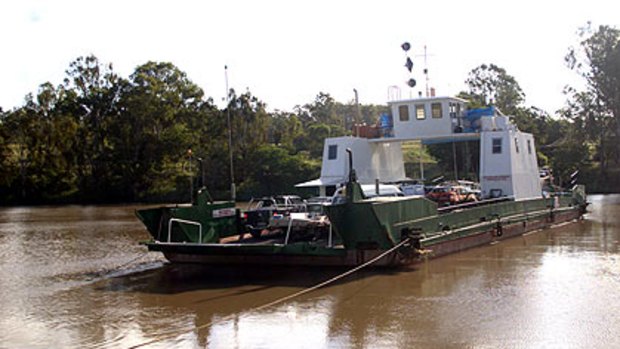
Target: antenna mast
[426,70]
[233,193]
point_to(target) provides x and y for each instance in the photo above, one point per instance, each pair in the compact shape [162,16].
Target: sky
[286,52]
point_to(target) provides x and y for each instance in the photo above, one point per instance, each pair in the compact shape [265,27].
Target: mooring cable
[122,266]
[277,301]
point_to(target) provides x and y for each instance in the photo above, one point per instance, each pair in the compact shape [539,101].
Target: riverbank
[595,182]
[601,183]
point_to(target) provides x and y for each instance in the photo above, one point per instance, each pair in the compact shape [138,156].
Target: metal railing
[184,221]
[300,219]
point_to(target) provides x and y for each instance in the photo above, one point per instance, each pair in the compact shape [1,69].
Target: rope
[277,301]
[103,272]
[132,261]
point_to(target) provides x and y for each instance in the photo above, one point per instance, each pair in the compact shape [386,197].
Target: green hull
[202,222]
[382,224]
[364,229]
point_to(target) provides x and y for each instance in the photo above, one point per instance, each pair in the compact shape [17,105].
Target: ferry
[389,231]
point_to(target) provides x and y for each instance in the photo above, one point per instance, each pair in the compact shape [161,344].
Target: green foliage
[491,84]
[569,155]
[101,138]
[596,111]
[275,171]
[152,131]
[285,130]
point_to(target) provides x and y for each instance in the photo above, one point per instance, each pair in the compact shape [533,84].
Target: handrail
[330,239]
[288,231]
[184,221]
[294,216]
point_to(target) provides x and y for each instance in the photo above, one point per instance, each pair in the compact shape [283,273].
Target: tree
[250,125]
[8,163]
[92,95]
[285,129]
[569,154]
[34,151]
[275,171]
[587,114]
[491,84]
[151,132]
[321,110]
[597,60]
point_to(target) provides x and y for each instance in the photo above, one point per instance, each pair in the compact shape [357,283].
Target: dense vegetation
[99,137]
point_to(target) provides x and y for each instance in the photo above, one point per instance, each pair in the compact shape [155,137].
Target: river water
[76,277]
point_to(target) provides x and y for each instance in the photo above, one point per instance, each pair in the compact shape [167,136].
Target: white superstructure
[428,118]
[508,163]
[371,160]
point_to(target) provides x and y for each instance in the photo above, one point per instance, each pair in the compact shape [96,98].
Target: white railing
[303,217]
[184,221]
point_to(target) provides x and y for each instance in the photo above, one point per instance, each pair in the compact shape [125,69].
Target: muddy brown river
[76,277]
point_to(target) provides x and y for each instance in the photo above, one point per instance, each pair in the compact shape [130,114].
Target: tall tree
[285,129]
[491,84]
[596,127]
[93,92]
[4,152]
[597,60]
[36,148]
[152,133]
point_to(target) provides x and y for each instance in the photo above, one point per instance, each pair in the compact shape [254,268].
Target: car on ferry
[445,195]
[266,211]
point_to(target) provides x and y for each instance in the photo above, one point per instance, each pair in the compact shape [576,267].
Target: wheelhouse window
[436,110]
[420,112]
[517,144]
[455,110]
[403,113]
[497,146]
[529,147]
[332,152]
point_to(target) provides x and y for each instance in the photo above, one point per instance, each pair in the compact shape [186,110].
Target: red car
[450,195]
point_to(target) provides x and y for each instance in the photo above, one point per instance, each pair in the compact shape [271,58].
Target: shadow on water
[179,278]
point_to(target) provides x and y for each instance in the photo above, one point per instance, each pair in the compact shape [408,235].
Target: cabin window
[455,110]
[332,152]
[517,145]
[529,147]
[436,110]
[497,145]
[420,112]
[403,113]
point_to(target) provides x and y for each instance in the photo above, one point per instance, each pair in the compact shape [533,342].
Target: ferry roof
[456,137]
[319,182]
[426,99]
